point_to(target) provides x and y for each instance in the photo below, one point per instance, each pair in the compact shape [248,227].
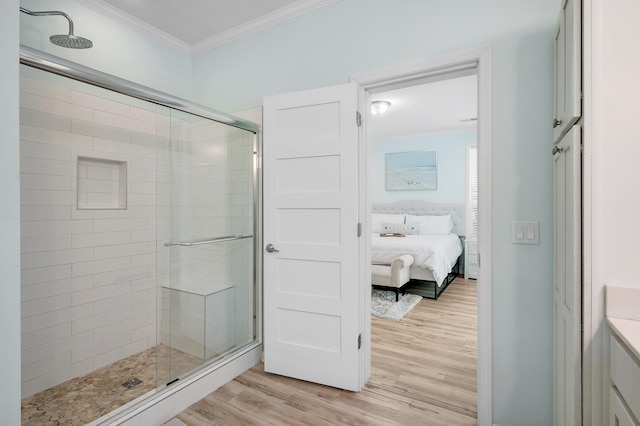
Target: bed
[432,233]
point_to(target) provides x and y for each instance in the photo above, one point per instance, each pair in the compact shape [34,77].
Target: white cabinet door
[618,413]
[567,286]
[568,68]
[312,286]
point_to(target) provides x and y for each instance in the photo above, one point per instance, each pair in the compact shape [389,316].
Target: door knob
[271,249]
[556,122]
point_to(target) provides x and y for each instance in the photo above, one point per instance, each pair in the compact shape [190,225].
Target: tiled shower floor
[84,399]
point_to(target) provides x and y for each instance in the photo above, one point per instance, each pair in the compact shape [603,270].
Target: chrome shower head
[70,40]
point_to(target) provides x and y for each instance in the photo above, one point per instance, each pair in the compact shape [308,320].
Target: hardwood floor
[423,373]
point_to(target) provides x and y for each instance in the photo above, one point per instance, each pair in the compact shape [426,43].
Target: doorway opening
[374,84]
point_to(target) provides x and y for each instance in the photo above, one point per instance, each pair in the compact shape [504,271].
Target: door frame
[409,75]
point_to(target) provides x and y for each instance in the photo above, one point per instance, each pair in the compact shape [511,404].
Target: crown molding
[136,24]
[266,21]
[276,17]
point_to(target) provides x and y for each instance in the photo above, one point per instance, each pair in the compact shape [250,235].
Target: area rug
[384,305]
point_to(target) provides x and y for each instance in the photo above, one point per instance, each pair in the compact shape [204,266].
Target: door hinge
[359,341]
[358,118]
[359,229]
[478,259]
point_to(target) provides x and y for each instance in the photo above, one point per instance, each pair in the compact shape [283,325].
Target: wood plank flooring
[423,373]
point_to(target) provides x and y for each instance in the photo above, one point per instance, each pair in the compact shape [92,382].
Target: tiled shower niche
[102,183]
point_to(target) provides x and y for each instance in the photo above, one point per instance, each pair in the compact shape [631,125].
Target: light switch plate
[525,232]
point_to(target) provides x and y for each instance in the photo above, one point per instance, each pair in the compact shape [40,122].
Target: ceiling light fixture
[379,107]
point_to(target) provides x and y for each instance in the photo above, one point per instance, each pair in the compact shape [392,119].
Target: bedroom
[431,123]
[435,120]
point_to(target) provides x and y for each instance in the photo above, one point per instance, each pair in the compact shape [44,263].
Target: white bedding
[437,253]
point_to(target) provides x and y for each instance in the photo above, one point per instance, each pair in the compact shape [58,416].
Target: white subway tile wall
[94,231]
[88,276]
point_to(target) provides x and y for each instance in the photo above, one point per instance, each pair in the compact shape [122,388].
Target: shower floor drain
[131,383]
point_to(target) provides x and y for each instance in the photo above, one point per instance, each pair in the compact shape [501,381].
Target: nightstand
[471,259]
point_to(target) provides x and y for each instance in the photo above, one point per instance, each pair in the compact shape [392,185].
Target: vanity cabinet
[624,392]
[618,413]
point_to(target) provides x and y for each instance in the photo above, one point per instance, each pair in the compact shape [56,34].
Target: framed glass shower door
[206,242]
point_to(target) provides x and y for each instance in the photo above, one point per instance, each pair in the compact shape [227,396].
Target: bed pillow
[432,225]
[401,228]
[377,220]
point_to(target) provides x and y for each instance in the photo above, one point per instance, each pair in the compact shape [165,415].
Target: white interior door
[312,288]
[567,294]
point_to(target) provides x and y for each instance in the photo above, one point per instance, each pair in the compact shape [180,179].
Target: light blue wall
[9,216]
[451,151]
[330,45]
[117,49]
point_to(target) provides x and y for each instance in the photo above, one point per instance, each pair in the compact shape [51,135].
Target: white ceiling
[199,25]
[195,20]
[437,107]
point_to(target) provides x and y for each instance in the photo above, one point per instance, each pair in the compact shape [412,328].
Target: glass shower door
[206,234]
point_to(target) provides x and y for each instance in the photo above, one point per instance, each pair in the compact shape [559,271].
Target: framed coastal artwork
[411,170]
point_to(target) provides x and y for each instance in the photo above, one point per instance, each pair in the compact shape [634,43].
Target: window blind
[472,191]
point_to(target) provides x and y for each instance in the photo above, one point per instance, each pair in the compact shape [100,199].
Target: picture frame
[413,170]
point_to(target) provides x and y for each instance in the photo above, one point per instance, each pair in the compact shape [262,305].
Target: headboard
[416,207]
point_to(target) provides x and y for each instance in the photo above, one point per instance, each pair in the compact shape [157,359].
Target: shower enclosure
[139,220]
[206,217]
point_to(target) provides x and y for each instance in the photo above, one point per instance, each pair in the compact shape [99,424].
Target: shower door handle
[271,249]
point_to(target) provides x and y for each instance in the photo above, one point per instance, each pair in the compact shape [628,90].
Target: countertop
[622,307]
